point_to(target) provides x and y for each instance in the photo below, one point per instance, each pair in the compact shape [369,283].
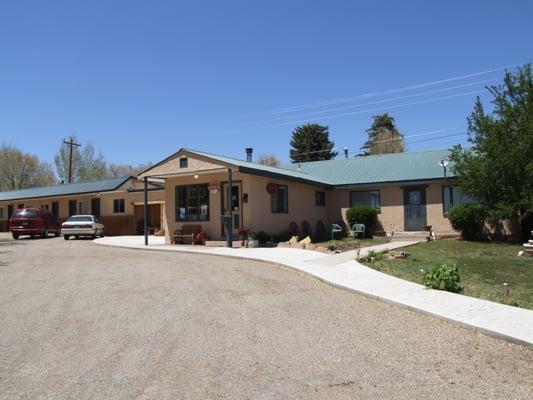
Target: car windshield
[80,218]
[26,214]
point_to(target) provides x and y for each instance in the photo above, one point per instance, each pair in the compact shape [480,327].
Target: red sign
[272,188]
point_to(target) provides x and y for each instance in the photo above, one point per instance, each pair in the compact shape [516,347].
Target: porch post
[146,211]
[229,228]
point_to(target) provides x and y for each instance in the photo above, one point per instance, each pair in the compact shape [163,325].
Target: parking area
[84,321]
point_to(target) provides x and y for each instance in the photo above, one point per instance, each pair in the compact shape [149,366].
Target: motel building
[411,192]
[119,203]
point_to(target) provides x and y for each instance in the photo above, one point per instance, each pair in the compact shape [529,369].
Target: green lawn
[484,267]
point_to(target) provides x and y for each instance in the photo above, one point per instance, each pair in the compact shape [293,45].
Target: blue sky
[140,79]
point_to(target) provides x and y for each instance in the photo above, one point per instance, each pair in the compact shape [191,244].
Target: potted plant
[243,235]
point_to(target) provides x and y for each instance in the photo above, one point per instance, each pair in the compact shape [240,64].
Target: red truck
[33,222]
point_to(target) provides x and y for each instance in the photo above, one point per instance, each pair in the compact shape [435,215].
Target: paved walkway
[499,320]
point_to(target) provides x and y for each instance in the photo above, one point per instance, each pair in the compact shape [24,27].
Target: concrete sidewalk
[499,320]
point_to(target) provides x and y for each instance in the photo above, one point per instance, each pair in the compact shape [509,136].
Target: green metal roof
[397,167]
[106,185]
[259,169]
[384,168]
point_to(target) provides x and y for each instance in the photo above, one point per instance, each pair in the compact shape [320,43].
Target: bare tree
[269,159]
[19,170]
[118,170]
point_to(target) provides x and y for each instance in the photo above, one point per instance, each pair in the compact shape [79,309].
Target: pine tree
[383,137]
[310,142]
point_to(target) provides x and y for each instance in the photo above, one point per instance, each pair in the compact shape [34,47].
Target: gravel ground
[81,321]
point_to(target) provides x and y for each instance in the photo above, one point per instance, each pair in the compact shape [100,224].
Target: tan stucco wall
[391,217]
[106,203]
[256,214]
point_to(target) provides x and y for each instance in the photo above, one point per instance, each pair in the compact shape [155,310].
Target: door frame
[423,202]
[223,195]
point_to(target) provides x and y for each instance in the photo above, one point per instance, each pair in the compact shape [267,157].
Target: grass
[483,268]
[348,243]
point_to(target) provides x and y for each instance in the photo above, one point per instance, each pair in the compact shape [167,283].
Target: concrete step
[415,235]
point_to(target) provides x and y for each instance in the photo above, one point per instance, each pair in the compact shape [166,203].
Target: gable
[171,166]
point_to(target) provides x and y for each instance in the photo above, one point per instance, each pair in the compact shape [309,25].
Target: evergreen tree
[497,169]
[310,142]
[383,137]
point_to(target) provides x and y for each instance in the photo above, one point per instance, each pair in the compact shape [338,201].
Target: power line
[373,109]
[374,94]
[398,138]
[382,101]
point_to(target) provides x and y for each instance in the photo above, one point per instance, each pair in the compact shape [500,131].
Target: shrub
[282,237]
[365,215]
[262,237]
[443,277]
[469,219]
[376,255]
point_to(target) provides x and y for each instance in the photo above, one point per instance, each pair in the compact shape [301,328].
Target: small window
[20,206]
[184,162]
[320,198]
[118,206]
[366,198]
[44,206]
[83,207]
[452,196]
[2,213]
[279,199]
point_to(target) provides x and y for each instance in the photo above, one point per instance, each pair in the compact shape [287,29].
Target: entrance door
[72,207]
[415,208]
[235,204]
[95,207]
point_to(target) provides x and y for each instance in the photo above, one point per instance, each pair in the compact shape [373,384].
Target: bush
[262,237]
[376,255]
[443,277]
[469,219]
[282,237]
[365,215]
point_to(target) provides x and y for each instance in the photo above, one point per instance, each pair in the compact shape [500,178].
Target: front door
[235,204]
[415,208]
[95,207]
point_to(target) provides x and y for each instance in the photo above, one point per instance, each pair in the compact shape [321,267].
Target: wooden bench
[186,232]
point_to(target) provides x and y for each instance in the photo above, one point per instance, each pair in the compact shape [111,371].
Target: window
[320,199]
[366,198]
[192,203]
[84,207]
[184,162]
[452,196]
[2,213]
[279,199]
[44,206]
[118,206]
[55,208]
[20,206]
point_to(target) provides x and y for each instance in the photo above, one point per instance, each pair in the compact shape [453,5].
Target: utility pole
[71,145]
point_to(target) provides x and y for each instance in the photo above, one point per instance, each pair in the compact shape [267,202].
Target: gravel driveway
[81,321]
